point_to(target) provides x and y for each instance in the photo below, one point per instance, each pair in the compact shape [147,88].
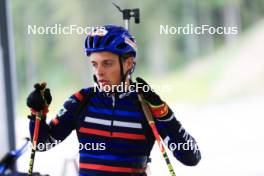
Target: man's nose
[100,70]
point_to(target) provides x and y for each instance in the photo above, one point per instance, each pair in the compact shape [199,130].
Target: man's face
[107,69]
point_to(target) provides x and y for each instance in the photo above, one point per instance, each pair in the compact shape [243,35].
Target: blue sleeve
[60,126]
[179,141]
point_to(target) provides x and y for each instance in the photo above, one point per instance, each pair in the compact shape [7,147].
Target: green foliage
[60,59]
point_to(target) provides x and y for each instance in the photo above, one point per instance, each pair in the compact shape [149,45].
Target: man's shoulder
[87,90]
[80,95]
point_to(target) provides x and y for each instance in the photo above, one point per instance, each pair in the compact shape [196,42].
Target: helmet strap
[122,74]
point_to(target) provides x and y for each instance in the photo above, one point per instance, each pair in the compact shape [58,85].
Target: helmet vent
[121,46]
[109,40]
[91,42]
[98,42]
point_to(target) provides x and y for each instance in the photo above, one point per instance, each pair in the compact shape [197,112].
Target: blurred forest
[216,81]
[60,59]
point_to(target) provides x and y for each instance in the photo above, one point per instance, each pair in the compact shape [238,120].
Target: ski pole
[127,14]
[156,134]
[36,134]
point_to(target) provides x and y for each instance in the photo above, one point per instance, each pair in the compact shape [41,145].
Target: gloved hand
[158,108]
[39,100]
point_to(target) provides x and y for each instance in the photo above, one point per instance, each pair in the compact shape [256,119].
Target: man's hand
[158,108]
[39,100]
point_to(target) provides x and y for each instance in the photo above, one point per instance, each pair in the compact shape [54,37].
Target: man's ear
[129,63]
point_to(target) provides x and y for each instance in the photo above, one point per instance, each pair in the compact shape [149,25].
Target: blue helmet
[111,38]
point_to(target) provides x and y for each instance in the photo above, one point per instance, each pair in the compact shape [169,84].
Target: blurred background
[216,82]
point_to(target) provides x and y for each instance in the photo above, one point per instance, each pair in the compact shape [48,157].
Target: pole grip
[36,135]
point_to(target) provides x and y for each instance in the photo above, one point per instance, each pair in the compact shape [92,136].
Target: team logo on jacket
[62,112]
[71,100]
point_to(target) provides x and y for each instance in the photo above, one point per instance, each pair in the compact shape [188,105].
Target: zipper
[113,101]
[112,120]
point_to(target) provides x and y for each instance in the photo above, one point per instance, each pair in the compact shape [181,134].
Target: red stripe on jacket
[114,134]
[111,168]
[79,96]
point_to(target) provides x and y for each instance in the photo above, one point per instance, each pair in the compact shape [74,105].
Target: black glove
[36,101]
[148,94]
[158,107]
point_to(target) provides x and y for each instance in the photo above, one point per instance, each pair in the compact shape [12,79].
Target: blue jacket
[114,135]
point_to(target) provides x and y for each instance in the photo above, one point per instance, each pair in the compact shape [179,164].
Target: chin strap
[95,79]
[125,75]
